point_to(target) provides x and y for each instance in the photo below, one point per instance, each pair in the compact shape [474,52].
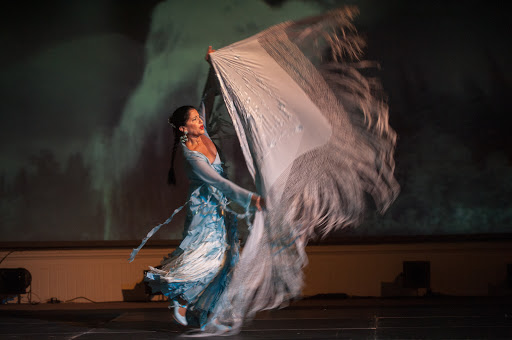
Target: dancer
[313,127]
[193,277]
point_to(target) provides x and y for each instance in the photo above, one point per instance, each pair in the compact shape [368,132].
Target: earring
[184,138]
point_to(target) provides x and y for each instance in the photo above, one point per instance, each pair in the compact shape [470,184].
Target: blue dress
[200,268]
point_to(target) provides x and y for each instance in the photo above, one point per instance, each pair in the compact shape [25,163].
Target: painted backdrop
[87,87]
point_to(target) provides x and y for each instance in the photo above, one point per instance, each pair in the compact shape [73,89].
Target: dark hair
[178,118]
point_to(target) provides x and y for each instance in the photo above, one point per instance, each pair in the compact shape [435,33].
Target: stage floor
[313,318]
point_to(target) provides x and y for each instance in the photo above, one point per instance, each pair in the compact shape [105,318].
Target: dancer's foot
[215,325]
[179,313]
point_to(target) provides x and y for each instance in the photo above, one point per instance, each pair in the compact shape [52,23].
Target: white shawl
[314,132]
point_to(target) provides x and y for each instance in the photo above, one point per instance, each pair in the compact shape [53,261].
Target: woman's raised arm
[211,88]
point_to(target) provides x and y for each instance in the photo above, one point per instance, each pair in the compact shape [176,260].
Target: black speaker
[416,274]
[14,281]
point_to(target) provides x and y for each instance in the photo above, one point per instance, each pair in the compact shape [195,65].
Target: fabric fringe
[324,189]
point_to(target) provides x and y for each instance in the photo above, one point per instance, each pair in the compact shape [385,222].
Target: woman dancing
[194,275]
[312,123]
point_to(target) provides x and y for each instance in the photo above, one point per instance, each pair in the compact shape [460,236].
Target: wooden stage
[326,317]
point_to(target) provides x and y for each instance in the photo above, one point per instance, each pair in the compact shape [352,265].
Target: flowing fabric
[315,136]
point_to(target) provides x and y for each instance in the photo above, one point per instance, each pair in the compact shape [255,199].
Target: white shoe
[177,316]
[215,327]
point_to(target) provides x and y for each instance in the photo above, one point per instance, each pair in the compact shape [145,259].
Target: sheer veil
[313,127]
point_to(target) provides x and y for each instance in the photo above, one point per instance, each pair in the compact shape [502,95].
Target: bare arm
[210,92]
[211,88]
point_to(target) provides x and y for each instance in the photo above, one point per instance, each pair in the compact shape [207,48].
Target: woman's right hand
[258,202]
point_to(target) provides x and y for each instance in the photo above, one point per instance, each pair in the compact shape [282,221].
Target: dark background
[87,86]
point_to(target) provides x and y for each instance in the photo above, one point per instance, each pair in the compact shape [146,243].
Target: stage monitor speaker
[14,281]
[416,274]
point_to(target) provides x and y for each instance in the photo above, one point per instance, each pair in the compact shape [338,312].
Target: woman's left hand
[210,50]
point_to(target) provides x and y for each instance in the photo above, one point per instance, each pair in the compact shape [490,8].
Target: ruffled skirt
[200,268]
